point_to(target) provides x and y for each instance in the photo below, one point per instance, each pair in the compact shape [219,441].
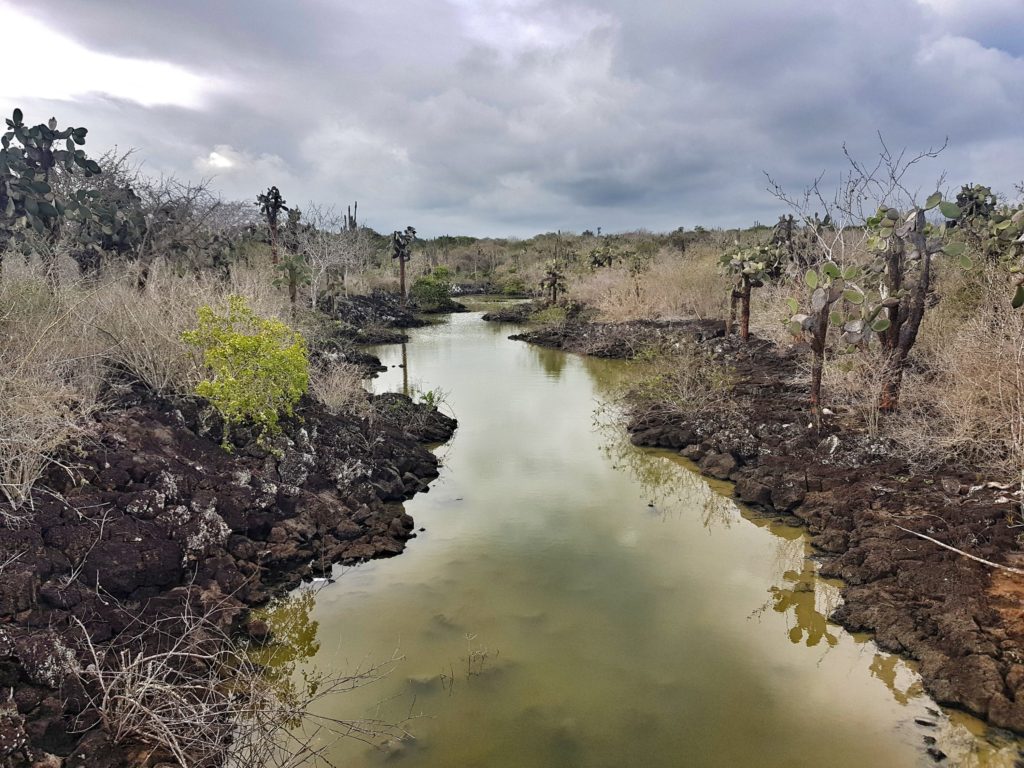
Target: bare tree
[336,248]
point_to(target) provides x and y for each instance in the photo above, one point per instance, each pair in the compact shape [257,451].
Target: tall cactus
[827,285]
[750,268]
[553,282]
[401,249]
[904,244]
[271,204]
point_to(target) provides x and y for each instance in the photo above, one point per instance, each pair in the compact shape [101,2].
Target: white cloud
[57,68]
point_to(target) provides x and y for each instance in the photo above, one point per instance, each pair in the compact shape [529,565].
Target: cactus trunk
[731,322]
[401,278]
[819,331]
[745,311]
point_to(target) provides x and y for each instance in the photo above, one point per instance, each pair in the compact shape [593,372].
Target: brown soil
[156,515]
[962,621]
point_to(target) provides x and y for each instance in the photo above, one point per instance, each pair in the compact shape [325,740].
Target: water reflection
[575,600]
[666,480]
[551,360]
[293,641]
[799,597]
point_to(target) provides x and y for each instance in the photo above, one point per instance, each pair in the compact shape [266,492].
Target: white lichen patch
[208,529]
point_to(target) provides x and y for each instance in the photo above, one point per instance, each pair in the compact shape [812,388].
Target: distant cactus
[553,282]
[750,268]
[294,267]
[271,204]
[995,231]
[401,249]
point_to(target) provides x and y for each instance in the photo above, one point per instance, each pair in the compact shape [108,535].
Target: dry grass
[673,286]
[49,380]
[60,346]
[340,388]
[195,694]
[769,310]
[851,383]
[680,385]
[966,402]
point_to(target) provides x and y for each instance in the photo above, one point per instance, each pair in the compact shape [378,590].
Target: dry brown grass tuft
[205,699]
[49,379]
[340,388]
[679,385]
[966,402]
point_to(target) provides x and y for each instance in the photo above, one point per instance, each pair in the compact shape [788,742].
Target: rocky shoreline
[961,620]
[151,516]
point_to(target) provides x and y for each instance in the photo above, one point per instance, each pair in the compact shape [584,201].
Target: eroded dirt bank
[155,516]
[961,620]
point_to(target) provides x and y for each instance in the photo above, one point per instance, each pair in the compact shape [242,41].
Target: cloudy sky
[511,117]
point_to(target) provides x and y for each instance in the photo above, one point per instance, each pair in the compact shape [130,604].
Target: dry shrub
[966,404]
[205,699]
[49,379]
[38,414]
[673,286]
[769,309]
[681,384]
[340,388]
[852,382]
[144,330]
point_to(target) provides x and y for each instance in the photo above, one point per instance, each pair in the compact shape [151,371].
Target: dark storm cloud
[517,116]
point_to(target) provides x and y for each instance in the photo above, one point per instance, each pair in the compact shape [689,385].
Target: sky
[513,117]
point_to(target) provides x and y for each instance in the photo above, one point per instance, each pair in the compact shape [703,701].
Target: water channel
[576,601]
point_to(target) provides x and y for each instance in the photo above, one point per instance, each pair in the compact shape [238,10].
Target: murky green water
[550,616]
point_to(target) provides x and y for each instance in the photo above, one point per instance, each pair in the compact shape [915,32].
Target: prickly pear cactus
[28,157]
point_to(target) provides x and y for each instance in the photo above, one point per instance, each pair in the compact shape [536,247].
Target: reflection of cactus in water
[811,625]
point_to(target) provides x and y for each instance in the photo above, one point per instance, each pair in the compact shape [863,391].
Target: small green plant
[259,367]
[432,398]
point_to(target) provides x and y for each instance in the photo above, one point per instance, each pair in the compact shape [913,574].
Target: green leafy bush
[433,291]
[259,367]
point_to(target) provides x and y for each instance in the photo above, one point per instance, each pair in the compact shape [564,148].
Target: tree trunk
[818,333]
[401,278]
[745,312]
[734,297]
[273,244]
[293,290]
